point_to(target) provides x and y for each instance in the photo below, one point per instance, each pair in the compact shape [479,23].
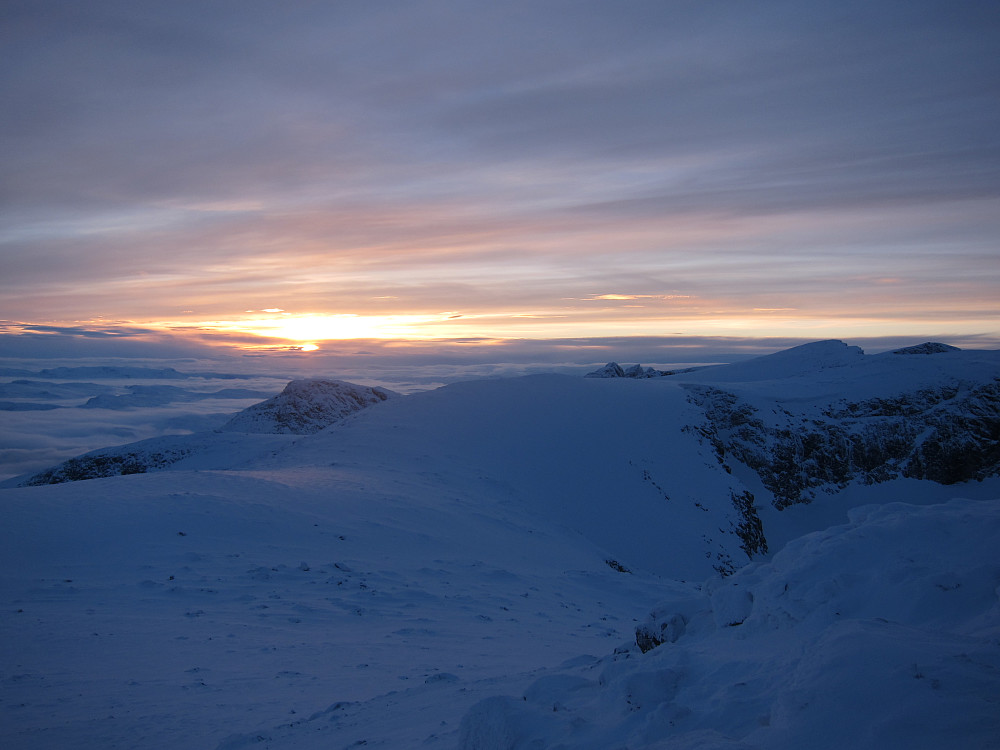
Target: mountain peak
[305,407]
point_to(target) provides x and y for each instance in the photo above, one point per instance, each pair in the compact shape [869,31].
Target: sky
[426,178]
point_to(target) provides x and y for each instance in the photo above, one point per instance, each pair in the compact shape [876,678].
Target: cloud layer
[541,170]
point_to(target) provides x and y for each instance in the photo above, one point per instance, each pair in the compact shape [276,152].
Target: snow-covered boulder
[306,407]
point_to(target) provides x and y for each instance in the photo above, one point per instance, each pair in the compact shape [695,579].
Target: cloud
[507,158]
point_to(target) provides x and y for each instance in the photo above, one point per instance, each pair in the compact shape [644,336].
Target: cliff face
[947,434]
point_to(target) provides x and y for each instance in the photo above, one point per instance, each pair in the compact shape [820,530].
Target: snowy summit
[305,407]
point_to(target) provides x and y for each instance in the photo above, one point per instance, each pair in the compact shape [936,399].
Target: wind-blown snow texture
[540,562]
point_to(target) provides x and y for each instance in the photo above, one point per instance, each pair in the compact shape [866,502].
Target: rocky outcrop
[946,434]
[614,370]
[306,407]
[929,347]
[610,370]
[749,528]
[661,626]
[109,463]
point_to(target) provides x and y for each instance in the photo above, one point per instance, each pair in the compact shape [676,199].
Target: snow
[306,406]
[808,650]
[807,358]
[468,567]
[48,421]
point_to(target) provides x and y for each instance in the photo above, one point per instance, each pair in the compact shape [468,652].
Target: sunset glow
[318,327]
[659,170]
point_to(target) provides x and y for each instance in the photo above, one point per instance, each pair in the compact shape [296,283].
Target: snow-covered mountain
[305,407]
[533,562]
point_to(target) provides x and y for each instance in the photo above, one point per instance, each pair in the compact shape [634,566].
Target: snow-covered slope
[306,406]
[375,581]
[180,608]
[810,650]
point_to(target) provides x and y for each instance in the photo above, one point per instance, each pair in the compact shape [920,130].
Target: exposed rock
[614,370]
[306,407]
[107,463]
[929,347]
[610,370]
[749,529]
[617,566]
[660,628]
[947,434]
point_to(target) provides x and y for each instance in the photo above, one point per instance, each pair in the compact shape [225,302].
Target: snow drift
[881,633]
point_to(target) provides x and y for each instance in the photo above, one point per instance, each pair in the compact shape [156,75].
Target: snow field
[467,568]
[881,633]
[180,608]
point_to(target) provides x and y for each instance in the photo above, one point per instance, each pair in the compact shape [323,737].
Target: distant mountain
[41,390]
[119,373]
[26,406]
[305,407]
[140,396]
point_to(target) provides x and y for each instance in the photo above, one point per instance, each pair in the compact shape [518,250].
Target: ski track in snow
[447,569]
